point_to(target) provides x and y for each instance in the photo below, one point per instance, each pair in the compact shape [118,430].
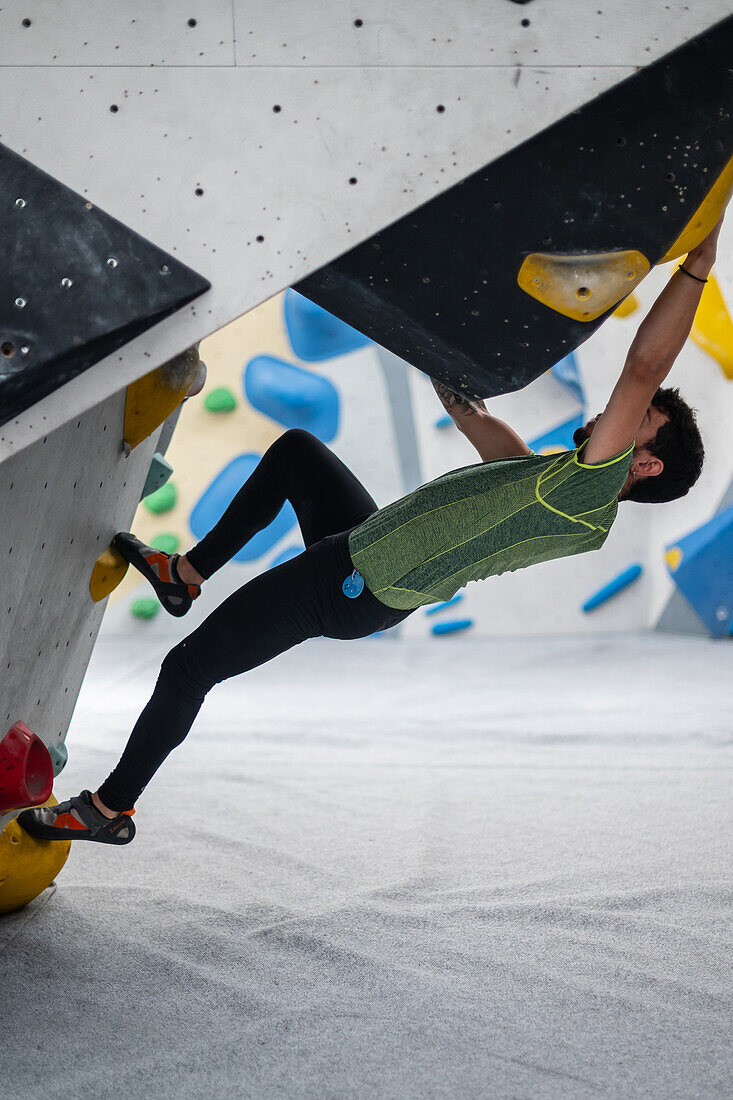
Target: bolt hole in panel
[439,287]
[706,214]
[93,284]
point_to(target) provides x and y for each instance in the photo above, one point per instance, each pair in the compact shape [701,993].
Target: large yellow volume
[27,865]
[627,306]
[154,397]
[712,329]
[705,217]
[109,570]
[582,286]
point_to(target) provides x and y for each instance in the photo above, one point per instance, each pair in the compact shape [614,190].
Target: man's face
[651,423]
[643,462]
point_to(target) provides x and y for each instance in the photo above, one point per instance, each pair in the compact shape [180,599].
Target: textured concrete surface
[61,502]
[248,126]
[444,868]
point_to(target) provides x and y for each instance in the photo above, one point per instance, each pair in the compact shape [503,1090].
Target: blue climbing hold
[287,555]
[559,437]
[444,421]
[451,627]
[353,585]
[158,474]
[293,396]
[215,500]
[436,607]
[623,580]
[701,565]
[314,333]
[567,373]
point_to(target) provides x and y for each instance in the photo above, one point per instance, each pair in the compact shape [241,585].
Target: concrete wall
[196,114]
[63,499]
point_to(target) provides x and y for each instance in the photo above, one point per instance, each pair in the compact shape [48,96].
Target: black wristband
[690,275]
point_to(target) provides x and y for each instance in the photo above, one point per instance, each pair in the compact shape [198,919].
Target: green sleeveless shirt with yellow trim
[486,519]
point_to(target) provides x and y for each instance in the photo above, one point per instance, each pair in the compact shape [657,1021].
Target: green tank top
[486,519]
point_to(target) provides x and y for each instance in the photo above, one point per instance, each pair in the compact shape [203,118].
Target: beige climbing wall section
[204,442]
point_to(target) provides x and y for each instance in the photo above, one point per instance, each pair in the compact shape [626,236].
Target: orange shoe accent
[194,591]
[68,821]
[161,560]
[128,813]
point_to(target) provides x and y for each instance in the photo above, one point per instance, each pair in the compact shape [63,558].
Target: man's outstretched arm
[657,344]
[491,437]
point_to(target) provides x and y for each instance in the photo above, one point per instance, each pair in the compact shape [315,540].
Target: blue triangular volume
[697,540]
[567,373]
[295,397]
[215,500]
[75,284]
[704,575]
[314,333]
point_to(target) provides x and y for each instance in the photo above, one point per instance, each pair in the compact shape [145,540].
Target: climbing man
[366,568]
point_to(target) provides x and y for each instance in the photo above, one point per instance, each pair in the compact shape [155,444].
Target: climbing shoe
[160,569]
[78,819]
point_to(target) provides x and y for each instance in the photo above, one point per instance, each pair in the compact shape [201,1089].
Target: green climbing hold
[147,607]
[220,400]
[163,499]
[59,756]
[167,543]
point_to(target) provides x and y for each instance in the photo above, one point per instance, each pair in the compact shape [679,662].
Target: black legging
[271,613]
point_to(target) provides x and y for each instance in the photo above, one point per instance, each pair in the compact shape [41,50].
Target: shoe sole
[129,550]
[47,832]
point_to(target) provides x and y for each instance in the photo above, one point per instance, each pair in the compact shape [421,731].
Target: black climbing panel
[75,284]
[625,172]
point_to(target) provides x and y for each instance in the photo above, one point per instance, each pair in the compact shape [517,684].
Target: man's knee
[292,454]
[298,440]
[185,672]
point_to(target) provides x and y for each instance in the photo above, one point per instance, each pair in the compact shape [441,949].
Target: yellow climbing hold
[582,287]
[27,865]
[627,307]
[109,569]
[712,329]
[705,217]
[153,398]
[554,450]
[673,557]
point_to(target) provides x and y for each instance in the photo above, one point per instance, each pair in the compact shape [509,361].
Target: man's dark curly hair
[679,445]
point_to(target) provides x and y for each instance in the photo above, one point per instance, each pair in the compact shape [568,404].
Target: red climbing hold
[26,771]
